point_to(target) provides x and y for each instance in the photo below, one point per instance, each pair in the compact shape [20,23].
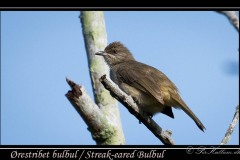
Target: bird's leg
[145,114]
[150,115]
[135,100]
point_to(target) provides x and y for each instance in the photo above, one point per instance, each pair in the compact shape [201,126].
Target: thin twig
[231,127]
[233,18]
[128,102]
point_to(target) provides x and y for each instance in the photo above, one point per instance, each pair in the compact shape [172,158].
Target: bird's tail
[187,110]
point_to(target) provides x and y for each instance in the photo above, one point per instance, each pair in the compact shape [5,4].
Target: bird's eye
[114,51]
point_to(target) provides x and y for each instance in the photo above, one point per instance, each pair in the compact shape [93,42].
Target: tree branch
[231,127]
[233,18]
[128,102]
[103,132]
[95,38]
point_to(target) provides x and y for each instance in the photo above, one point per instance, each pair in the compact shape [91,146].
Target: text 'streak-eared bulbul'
[151,89]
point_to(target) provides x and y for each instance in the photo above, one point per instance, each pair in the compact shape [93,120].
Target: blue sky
[40,49]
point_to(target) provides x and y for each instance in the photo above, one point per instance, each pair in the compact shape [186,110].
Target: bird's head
[115,53]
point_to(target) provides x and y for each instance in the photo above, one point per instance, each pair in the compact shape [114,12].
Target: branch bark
[102,117]
[231,127]
[95,38]
[102,130]
[128,102]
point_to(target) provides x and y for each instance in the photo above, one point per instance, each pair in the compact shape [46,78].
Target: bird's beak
[101,53]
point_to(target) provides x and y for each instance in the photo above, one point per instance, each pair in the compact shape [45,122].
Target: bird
[150,88]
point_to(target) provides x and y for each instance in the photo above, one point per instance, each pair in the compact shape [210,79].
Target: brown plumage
[150,88]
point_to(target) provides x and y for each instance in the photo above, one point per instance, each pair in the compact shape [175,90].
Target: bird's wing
[142,79]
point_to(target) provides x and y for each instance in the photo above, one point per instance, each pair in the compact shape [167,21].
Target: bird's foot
[146,114]
[150,115]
